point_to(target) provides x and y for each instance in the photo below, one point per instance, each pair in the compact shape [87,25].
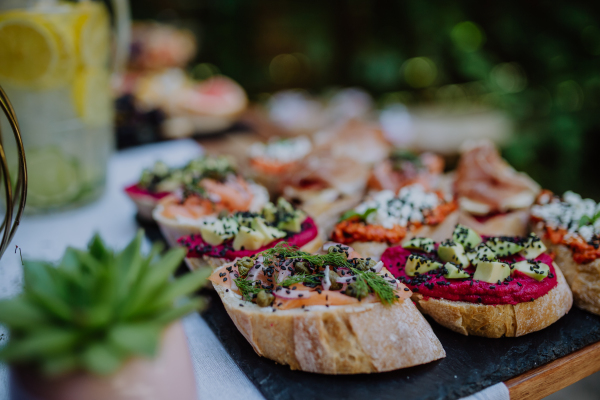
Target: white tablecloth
[46,237]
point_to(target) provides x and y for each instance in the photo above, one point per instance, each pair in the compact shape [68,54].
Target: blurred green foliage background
[539,61]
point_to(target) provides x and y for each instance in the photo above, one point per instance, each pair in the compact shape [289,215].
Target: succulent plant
[96,308]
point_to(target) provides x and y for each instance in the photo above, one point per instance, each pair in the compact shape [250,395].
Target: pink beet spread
[197,247]
[135,190]
[508,292]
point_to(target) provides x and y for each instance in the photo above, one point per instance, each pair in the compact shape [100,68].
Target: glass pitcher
[55,66]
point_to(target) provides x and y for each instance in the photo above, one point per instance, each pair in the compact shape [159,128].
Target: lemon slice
[53,178]
[92,33]
[28,50]
[35,52]
[91,96]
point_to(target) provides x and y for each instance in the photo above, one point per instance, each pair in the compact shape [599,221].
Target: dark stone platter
[471,363]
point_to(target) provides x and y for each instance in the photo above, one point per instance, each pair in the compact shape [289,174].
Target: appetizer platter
[340,275]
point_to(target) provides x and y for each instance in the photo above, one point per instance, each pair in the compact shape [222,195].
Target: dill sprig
[378,285]
[314,279]
[247,288]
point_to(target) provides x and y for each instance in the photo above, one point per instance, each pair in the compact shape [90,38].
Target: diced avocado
[284,205]
[249,239]
[230,227]
[293,223]
[420,243]
[450,251]
[454,272]
[270,233]
[481,253]
[503,247]
[491,271]
[212,233]
[535,270]
[418,264]
[532,247]
[467,237]
[269,212]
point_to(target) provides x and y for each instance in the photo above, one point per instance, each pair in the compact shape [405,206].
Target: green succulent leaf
[42,342]
[20,313]
[102,358]
[96,307]
[141,338]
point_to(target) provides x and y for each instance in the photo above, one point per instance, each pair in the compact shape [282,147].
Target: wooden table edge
[558,374]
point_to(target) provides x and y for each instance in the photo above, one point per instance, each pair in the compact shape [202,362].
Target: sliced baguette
[584,279]
[514,223]
[195,263]
[352,339]
[501,320]
[438,233]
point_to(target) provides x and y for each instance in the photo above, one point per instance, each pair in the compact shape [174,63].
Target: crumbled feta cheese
[407,207]
[568,213]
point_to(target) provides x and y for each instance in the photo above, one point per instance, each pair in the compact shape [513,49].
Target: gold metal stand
[15,194]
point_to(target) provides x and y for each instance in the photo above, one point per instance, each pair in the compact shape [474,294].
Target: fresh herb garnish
[247,288]
[586,220]
[377,283]
[352,213]
[312,280]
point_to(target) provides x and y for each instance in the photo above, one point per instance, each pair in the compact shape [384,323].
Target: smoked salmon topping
[284,278]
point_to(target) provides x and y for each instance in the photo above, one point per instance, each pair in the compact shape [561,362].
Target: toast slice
[495,321]
[350,339]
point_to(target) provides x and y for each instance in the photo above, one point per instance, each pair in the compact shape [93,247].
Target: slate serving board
[471,363]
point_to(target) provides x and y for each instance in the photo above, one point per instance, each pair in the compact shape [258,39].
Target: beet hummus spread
[197,247]
[518,288]
[136,190]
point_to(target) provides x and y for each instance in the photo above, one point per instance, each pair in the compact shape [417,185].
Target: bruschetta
[570,228]
[482,286]
[330,313]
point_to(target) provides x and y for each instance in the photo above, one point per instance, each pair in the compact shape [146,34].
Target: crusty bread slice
[438,233]
[214,262]
[501,320]
[584,279]
[513,223]
[351,339]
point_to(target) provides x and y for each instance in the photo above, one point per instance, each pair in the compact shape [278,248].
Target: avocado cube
[491,271]
[420,243]
[269,212]
[454,272]
[502,247]
[270,233]
[418,264]
[212,233]
[535,270]
[467,237]
[293,223]
[283,204]
[532,247]
[481,253]
[450,251]
[249,239]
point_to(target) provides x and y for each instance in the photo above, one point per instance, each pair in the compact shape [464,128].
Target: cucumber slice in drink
[53,178]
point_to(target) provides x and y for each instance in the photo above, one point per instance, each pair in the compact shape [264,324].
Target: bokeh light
[419,72]
[508,77]
[569,96]
[467,36]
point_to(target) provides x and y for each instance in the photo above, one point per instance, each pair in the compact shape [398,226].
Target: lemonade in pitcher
[54,67]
